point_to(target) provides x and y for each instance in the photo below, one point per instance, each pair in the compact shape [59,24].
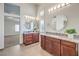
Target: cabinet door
[27,38]
[43,41]
[67,51]
[48,46]
[53,46]
[68,48]
[35,37]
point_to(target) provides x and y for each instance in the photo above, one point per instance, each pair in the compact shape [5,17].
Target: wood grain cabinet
[43,41]
[53,46]
[30,38]
[27,39]
[68,48]
[35,37]
[58,47]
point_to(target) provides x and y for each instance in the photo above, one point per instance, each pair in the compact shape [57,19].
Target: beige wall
[1,26]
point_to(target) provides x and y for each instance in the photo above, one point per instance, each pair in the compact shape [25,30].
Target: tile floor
[22,50]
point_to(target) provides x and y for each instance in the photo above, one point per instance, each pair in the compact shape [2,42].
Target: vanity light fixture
[58,6]
[29,17]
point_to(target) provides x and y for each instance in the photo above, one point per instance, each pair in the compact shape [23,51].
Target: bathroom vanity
[59,45]
[30,38]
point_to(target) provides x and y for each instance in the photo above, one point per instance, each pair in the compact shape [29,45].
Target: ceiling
[44,4]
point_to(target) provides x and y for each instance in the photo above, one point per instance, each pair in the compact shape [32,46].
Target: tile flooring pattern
[11,40]
[22,50]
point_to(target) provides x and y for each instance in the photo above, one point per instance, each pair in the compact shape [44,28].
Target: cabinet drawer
[28,36]
[53,39]
[67,43]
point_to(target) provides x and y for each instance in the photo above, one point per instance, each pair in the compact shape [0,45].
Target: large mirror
[31,26]
[59,22]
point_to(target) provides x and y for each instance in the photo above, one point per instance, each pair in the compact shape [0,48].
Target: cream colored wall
[72,13]
[1,26]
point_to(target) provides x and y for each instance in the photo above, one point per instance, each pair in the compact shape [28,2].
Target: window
[16,28]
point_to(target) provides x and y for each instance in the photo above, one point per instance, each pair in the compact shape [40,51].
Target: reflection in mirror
[59,22]
[29,26]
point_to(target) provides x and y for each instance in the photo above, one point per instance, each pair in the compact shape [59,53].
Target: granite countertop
[61,37]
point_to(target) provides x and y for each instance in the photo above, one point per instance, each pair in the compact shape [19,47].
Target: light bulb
[27,16]
[58,6]
[51,9]
[67,3]
[54,8]
[63,4]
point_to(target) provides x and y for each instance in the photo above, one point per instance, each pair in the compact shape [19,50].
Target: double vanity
[59,45]
[54,44]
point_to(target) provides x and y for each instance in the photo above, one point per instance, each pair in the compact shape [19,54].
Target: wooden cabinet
[48,45]
[43,41]
[68,48]
[27,38]
[53,46]
[30,38]
[58,47]
[35,37]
